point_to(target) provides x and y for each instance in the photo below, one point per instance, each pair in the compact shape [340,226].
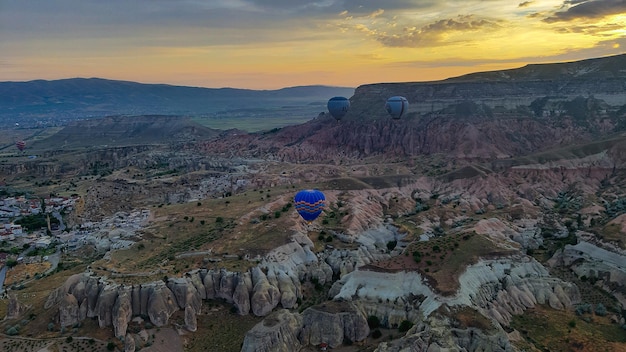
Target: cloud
[138,23]
[586,9]
[525,4]
[603,30]
[434,34]
[376,13]
[601,49]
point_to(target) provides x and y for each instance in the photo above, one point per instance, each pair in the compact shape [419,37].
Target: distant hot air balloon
[397,106]
[20,145]
[338,107]
[309,203]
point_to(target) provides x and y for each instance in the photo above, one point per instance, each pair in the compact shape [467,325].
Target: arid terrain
[480,222]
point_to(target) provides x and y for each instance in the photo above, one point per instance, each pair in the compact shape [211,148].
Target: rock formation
[435,334]
[122,312]
[265,296]
[276,333]
[596,260]
[333,323]
[15,308]
[68,310]
[498,288]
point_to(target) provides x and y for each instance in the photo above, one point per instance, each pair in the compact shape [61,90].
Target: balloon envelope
[397,106]
[338,107]
[20,145]
[309,203]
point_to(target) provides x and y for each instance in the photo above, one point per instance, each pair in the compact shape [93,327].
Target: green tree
[405,325]
[373,322]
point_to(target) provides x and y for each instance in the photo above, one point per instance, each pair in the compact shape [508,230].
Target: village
[33,234]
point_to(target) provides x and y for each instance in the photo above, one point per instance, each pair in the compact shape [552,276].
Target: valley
[460,228]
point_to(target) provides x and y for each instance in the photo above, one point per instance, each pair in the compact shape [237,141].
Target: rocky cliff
[504,90]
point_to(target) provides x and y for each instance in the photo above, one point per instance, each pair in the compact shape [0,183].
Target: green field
[250,124]
[261,119]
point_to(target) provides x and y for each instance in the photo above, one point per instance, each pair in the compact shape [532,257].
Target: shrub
[69,339]
[319,287]
[600,309]
[572,323]
[377,334]
[12,331]
[583,308]
[277,214]
[219,220]
[373,322]
[405,325]
[110,346]
[391,245]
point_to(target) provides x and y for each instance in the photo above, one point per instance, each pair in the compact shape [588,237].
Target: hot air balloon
[397,106]
[338,107]
[309,203]
[20,145]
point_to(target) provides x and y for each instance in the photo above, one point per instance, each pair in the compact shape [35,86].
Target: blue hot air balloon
[309,203]
[397,106]
[338,107]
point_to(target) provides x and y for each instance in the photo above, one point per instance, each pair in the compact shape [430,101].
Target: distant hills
[540,87]
[117,131]
[60,101]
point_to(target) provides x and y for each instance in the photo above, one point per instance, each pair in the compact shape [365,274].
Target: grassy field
[224,233]
[220,329]
[554,330]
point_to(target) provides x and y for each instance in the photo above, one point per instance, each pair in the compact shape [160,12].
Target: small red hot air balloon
[21,145]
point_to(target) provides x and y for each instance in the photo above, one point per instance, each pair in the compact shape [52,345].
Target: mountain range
[79,98]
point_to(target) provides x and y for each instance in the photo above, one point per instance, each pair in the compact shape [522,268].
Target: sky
[270,44]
